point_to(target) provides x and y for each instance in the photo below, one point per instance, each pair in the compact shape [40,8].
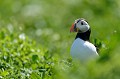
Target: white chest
[83,50]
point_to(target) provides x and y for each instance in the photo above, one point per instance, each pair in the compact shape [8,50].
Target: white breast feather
[83,50]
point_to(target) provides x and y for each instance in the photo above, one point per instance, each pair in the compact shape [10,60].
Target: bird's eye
[82,23]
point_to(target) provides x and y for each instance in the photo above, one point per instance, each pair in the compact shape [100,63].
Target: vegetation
[35,39]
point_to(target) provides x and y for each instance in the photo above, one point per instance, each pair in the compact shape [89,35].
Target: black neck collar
[84,36]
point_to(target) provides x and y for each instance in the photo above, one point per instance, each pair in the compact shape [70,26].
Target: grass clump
[21,58]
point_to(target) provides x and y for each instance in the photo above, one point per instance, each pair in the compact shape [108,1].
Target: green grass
[35,40]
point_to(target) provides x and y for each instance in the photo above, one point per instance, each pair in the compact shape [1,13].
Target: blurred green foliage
[35,39]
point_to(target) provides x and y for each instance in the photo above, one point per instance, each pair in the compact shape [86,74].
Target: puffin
[82,49]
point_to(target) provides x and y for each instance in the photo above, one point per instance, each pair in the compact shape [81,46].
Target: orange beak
[73,28]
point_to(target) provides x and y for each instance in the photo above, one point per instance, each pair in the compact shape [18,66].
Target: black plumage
[84,35]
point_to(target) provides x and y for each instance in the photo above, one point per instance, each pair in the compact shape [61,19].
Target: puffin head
[80,25]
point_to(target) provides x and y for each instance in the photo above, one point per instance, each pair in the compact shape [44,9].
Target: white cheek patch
[83,28]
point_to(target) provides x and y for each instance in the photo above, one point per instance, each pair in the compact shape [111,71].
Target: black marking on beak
[75,28]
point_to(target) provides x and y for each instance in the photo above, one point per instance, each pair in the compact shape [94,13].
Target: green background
[35,39]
